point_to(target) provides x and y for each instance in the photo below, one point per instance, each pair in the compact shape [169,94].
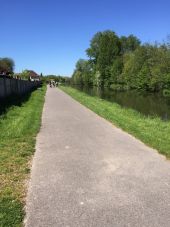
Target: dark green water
[149,104]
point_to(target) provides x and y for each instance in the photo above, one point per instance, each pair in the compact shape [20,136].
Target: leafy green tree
[159,63]
[6,65]
[116,70]
[94,50]
[104,48]
[147,68]
[129,44]
[123,62]
[133,70]
[24,74]
[82,74]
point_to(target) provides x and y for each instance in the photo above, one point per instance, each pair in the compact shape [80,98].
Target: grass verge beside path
[19,126]
[152,131]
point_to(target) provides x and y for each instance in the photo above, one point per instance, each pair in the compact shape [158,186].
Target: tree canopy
[6,65]
[125,63]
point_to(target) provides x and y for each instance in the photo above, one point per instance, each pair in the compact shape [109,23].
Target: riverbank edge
[19,127]
[152,131]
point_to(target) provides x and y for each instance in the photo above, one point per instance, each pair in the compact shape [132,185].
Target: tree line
[124,63]
[7,69]
[56,78]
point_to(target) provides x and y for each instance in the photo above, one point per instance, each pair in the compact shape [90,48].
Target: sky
[49,36]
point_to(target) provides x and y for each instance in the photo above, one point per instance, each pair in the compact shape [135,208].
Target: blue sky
[49,36]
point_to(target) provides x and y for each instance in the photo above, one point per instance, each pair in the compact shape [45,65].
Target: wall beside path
[9,87]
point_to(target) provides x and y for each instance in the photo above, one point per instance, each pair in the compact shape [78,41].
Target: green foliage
[59,79]
[104,47]
[94,50]
[166,93]
[116,70]
[17,144]
[129,44]
[147,68]
[24,75]
[123,62]
[135,70]
[82,73]
[11,212]
[6,65]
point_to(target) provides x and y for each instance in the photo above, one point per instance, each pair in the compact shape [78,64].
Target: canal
[149,104]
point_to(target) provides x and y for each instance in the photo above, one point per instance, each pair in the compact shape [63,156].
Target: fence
[10,87]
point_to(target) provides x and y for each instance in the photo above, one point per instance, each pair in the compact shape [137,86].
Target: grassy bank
[19,125]
[152,131]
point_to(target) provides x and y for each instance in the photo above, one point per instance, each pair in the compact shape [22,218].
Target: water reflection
[149,104]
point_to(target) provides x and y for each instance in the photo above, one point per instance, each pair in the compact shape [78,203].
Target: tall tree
[6,65]
[82,74]
[104,48]
[94,50]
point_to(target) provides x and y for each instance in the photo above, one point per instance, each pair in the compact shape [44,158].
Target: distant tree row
[124,63]
[7,69]
[59,79]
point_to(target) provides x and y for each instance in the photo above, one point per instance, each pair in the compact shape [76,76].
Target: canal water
[149,104]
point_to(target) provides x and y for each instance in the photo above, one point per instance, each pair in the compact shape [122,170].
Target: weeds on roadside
[20,121]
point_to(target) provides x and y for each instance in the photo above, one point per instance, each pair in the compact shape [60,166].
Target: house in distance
[33,76]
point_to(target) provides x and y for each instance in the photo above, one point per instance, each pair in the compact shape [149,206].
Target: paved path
[88,173]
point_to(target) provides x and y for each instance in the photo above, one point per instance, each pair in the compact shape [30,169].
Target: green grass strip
[19,126]
[152,131]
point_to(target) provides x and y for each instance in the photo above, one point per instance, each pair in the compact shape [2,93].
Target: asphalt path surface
[88,173]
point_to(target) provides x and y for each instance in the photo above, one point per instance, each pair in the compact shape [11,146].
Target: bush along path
[152,131]
[18,129]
